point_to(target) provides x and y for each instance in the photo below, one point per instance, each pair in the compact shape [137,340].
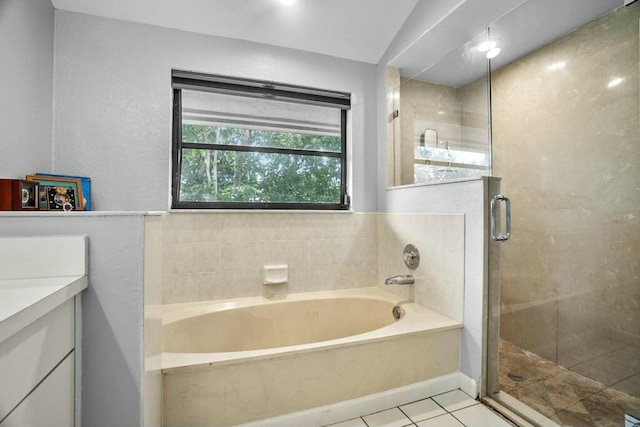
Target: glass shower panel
[566,143]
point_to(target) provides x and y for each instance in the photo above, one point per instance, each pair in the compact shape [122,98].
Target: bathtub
[229,362]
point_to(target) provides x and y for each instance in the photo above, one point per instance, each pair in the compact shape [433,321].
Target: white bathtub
[228,362]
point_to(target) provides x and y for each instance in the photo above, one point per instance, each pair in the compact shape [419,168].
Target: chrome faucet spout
[402,279]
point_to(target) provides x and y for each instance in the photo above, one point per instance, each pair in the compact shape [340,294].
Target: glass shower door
[565,289]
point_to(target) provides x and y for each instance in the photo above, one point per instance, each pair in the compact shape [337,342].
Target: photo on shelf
[46,182]
[86,187]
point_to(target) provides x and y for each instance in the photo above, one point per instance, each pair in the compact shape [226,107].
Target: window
[241,143]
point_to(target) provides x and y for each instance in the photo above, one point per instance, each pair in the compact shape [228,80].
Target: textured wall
[113,102]
[26,86]
[568,149]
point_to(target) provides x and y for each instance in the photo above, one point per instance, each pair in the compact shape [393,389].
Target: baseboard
[468,385]
[353,408]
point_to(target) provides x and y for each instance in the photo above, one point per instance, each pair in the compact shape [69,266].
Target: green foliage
[234,176]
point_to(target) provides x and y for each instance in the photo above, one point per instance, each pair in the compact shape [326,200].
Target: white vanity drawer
[50,404]
[30,354]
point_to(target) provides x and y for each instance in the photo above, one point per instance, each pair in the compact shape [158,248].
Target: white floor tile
[422,410]
[356,422]
[389,418]
[479,416]
[454,400]
[442,421]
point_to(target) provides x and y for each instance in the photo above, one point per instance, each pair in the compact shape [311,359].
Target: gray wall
[113,102]
[111,311]
[26,86]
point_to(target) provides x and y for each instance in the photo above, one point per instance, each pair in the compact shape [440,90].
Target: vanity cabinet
[34,360]
[39,360]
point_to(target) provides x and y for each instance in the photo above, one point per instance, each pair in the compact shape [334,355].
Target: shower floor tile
[569,397]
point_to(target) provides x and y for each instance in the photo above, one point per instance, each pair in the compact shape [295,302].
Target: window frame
[187,80]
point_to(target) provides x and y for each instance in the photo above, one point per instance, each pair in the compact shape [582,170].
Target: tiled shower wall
[209,256]
[565,143]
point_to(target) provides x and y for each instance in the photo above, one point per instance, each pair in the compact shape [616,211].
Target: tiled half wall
[221,255]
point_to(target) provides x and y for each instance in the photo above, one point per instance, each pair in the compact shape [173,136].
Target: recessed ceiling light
[288,2]
[487,46]
[615,82]
[493,53]
[556,66]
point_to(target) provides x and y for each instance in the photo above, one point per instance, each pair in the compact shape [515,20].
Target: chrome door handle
[495,202]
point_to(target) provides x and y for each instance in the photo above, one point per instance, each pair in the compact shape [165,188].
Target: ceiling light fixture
[556,66]
[288,2]
[493,53]
[487,46]
[615,82]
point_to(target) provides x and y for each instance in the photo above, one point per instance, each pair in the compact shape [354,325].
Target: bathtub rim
[417,320]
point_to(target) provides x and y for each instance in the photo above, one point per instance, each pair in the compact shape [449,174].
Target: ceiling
[362,30]
[447,54]
[359,30]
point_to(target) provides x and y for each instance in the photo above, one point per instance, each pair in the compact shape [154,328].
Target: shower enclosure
[565,289]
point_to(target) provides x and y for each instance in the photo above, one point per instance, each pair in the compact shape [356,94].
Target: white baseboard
[468,385]
[353,408]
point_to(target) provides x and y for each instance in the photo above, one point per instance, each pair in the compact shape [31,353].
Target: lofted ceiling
[362,30]
[359,30]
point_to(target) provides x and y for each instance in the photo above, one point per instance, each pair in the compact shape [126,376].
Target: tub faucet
[402,279]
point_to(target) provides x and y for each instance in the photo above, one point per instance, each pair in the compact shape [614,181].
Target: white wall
[26,86]
[113,102]
[111,310]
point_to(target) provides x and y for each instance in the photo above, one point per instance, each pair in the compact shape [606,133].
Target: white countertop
[22,301]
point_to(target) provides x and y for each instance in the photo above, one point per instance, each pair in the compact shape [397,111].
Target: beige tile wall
[221,255]
[440,275]
[568,149]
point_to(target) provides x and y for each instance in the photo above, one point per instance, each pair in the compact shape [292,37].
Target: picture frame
[61,199]
[86,186]
[45,183]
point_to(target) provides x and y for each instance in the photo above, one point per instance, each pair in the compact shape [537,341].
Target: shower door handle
[495,203]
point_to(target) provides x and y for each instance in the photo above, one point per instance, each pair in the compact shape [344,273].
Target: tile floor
[452,409]
[568,396]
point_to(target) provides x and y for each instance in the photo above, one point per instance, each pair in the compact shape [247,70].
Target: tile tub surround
[440,276]
[566,147]
[229,388]
[209,256]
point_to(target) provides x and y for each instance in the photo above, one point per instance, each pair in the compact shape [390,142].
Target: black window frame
[187,80]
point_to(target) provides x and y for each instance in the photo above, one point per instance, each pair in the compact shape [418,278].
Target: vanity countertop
[22,301]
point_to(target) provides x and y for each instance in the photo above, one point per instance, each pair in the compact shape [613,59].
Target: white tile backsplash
[221,254]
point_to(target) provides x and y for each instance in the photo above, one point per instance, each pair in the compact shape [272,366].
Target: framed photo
[86,186]
[47,182]
[61,199]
